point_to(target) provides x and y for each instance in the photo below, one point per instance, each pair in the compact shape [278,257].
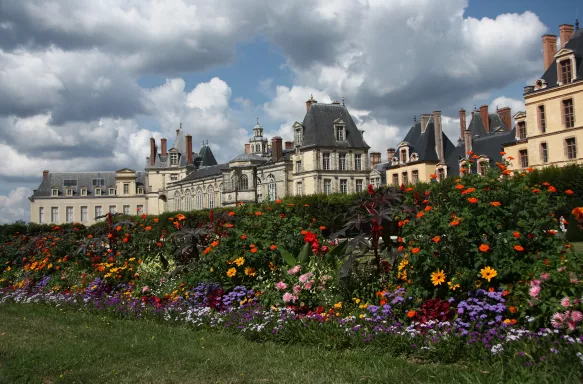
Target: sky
[85,84]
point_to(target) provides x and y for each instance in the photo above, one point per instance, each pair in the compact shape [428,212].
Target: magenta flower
[557,320]
[288,297]
[534,291]
[544,276]
[294,270]
[297,289]
[305,277]
[281,285]
[309,284]
[566,302]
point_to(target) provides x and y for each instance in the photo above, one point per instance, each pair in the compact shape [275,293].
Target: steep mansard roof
[576,45]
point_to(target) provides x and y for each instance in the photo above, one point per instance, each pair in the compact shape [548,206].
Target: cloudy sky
[84,84]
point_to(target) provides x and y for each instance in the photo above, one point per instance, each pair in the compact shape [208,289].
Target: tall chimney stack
[309,103]
[506,116]
[45,175]
[276,149]
[247,148]
[468,141]
[375,158]
[289,145]
[462,122]
[438,136]
[152,151]
[485,117]
[565,34]
[549,49]
[164,147]
[189,150]
[390,153]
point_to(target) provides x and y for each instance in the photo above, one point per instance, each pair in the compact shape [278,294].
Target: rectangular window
[140,190]
[571,148]
[358,162]
[111,191]
[97,191]
[112,209]
[98,211]
[84,192]
[140,209]
[482,165]
[405,178]
[358,186]
[126,189]
[173,177]
[343,186]
[339,133]
[69,192]
[41,215]
[69,183]
[98,182]
[327,186]
[521,127]
[55,192]
[83,214]
[299,189]
[415,175]
[325,161]
[395,179]
[441,174]
[126,209]
[342,161]
[69,212]
[174,159]
[298,137]
[298,166]
[542,122]
[523,154]
[568,116]
[544,153]
[403,155]
[566,71]
[54,214]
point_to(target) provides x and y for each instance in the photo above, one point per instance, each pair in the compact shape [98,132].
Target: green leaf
[305,253]
[287,257]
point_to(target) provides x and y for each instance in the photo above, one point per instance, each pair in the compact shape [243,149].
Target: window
[221,194]
[565,71]
[568,116]
[83,191]
[343,186]
[544,153]
[83,214]
[140,209]
[55,192]
[174,159]
[173,177]
[111,191]
[299,188]
[298,137]
[521,127]
[126,189]
[415,176]
[243,183]
[523,154]
[199,199]
[441,174]
[482,167]
[327,186]
[571,148]
[54,214]
[98,182]
[69,214]
[403,155]
[358,162]
[542,122]
[326,161]
[97,191]
[298,166]
[358,186]
[140,190]
[211,197]
[41,215]
[405,178]
[126,209]
[69,183]
[342,161]
[98,211]
[112,209]
[69,192]
[339,133]
[271,188]
[395,179]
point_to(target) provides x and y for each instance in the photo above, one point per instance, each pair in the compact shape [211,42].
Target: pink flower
[535,283]
[324,249]
[281,285]
[288,297]
[297,289]
[534,291]
[557,320]
[309,284]
[565,302]
[561,269]
[294,270]
[326,278]
[575,281]
[544,276]
[576,316]
[571,325]
[305,277]
[145,289]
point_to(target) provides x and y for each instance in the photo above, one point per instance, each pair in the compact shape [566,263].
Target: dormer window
[140,190]
[540,84]
[340,132]
[174,159]
[97,191]
[414,157]
[83,191]
[565,68]
[112,191]
[298,136]
[69,192]
[55,192]
[403,154]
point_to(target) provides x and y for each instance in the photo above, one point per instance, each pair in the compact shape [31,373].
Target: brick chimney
[45,175]
[152,151]
[565,34]
[309,102]
[276,149]
[484,116]
[390,153]
[549,49]
[164,147]
[467,142]
[437,129]
[462,122]
[189,149]
[506,116]
[424,119]
[247,148]
[375,158]
[289,145]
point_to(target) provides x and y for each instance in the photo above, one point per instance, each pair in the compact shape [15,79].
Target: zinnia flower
[534,291]
[519,248]
[436,239]
[288,297]
[438,277]
[495,203]
[280,285]
[576,316]
[305,277]
[484,248]
[569,192]
[565,302]
[297,289]
[488,273]
[415,250]
[294,270]
[557,320]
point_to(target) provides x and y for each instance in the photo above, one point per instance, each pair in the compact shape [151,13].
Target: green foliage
[574,233]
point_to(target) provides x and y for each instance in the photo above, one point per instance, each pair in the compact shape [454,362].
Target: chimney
[528,89]
[45,176]
[424,119]
[276,150]
[164,147]
[189,149]
[565,34]
[438,135]
[485,118]
[390,153]
[506,116]
[462,122]
[152,151]
[309,103]
[375,158]
[289,145]
[247,148]
[549,49]
[468,141]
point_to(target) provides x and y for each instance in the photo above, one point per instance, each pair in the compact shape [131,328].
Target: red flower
[495,203]
[370,189]
[415,250]
[309,237]
[552,189]
[472,200]
[519,248]
[516,234]
[484,248]
[144,216]
[569,192]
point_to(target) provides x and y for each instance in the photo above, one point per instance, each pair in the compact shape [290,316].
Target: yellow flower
[488,273]
[453,286]
[357,301]
[231,272]
[239,261]
[272,266]
[250,271]
[212,269]
[338,305]
[438,277]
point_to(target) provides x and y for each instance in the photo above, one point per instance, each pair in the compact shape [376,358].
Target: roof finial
[576,24]
[180,125]
[414,118]
[343,101]
[258,121]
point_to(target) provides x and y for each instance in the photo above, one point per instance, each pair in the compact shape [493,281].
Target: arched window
[198,198]
[221,194]
[259,190]
[187,206]
[211,197]
[177,201]
[243,183]
[271,190]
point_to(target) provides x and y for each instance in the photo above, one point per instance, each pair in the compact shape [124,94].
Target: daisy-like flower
[488,273]
[484,248]
[280,285]
[294,270]
[557,320]
[231,272]
[565,302]
[534,291]
[438,277]
[305,277]
[576,316]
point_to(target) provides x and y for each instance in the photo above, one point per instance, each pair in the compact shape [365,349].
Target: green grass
[42,344]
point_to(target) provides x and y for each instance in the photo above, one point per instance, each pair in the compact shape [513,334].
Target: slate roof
[84,179]
[180,145]
[476,125]
[576,45]
[319,127]
[208,159]
[201,173]
[249,157]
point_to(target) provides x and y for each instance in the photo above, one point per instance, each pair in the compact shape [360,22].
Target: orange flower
[420,214]
[400,248]
[469,153]
[180,217]
[569,192]
[502,153]
[322,227]
[516,234]
[156,219]
[90,237]
[252,245]
[415,250]
[409,189]
[291,205]
[231,213]
[109,235]
[454,223]
[214,243]
[207,250]
[436,239]
[536,190]
[411,314]
[510,158]
[243,237]
[278,201]
[472,200]
[253,250]
[273,247]
[519,248]
[495,203]
[484,248]
[552,189]
[512,309]
[159,244]
[546,184]
[469,190]
[148,228]
[459,186]
[177,224]
[118,228]
[475,157]
[306,205]
[428,208]
[282,215]
[125,239]
[433,176]
[258,213]
[530,169]
[506,172]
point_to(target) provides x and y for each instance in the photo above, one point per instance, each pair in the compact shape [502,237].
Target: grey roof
[576,45]
[476,125]
[201,173]
[249,157]
[319,127]
[180,145]
[84,179]
[381,168]
[180,141]
[208,159]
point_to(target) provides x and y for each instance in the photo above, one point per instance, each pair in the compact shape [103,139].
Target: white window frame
[342,162]
[41,214]
[98,191]
[174,159]
[326,165]
[55,192]
[111,191]
[113,209]
[298,139]
[415,176]
[140,190]
[343,186]
[299,188]
[84,213]
[544,152]
[358,162]
[98,210]
[327,186]
[211,197]
[69,192]
[340,133]
[358,185]
[83,191]
[54,214]
[271,188]
[140,209]
[126,188]
[69,214]
[126,210]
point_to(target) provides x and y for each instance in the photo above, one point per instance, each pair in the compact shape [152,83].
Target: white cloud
[503,101]
[15,206]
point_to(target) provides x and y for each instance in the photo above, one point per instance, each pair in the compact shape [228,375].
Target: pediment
[564,52]
[339,121]
[403,144]
[125,170]
[298,125]
[519,115]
